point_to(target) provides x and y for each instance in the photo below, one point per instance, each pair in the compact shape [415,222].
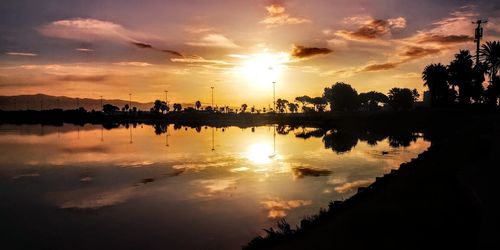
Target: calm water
[177,188]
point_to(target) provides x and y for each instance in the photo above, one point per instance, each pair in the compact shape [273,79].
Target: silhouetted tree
[372,100]
[461,73]
[402,98]
[341,97]
[477,90]
[436,79]
[177,107]
[304,100]
[244,107]
[127,107]
[156,106]
[134,109]
[490,54]
[197,105]
[293,107]
[319,103]
[281,105]
[109,109]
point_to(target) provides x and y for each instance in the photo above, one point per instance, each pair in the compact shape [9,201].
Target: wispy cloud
[84,50]
[20,54]
[135,64]
[277,16]
[87,29]
[82,78]
[214,40]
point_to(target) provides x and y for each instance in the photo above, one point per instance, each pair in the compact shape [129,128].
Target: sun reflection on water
[260,153]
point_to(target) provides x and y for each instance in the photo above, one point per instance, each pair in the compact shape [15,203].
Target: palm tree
[436,79]
[490,53]
[461,75]
[197,105]
[244,107]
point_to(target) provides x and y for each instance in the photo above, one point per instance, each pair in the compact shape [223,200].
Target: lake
[175,187]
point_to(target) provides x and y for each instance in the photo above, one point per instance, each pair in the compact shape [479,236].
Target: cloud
[149,46]
[90,30]
[20,54]
[379,66]
[277,16]
[142,45]
[304,52]
[84,50]
[136,64]
[397,23]
[82,29]
[352,185]
[446,39]
[214,40]
[414,52]
[278,208]
[82,78]
[370,28]
[194,59]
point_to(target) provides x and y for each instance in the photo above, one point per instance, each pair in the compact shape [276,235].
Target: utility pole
[274,97]
[101,102]
[212,97]
[166,97]
[478,34]
[129,100]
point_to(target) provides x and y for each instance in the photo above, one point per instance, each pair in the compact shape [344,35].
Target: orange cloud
[277,16]
[214,40]
[20,54]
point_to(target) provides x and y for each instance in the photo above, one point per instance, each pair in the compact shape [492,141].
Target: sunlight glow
[262,69]
[260,153]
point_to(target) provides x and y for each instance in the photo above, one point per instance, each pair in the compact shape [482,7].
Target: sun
[264,68]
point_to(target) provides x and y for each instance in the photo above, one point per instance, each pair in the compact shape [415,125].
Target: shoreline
[446,197]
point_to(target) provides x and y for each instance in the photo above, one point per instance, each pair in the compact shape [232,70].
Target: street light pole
[274,97]
[212,97]
[101,102]
[129,100]
[166,97]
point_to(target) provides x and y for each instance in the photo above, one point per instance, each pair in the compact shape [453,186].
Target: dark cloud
[371,30]
[380,66]
[175,53]
[304,52]
[79,78]
[300,172]
[149,46]
[142,45]
[413,52]
[446,39]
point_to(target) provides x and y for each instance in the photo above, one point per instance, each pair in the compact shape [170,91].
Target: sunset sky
[88,48]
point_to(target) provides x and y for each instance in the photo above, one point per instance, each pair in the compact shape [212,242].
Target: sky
[110,48]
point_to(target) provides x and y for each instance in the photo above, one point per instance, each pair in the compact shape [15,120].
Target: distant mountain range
[41,101]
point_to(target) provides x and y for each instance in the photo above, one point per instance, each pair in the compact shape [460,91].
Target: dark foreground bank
[446,198]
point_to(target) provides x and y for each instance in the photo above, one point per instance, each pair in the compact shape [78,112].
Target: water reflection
[219,185]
